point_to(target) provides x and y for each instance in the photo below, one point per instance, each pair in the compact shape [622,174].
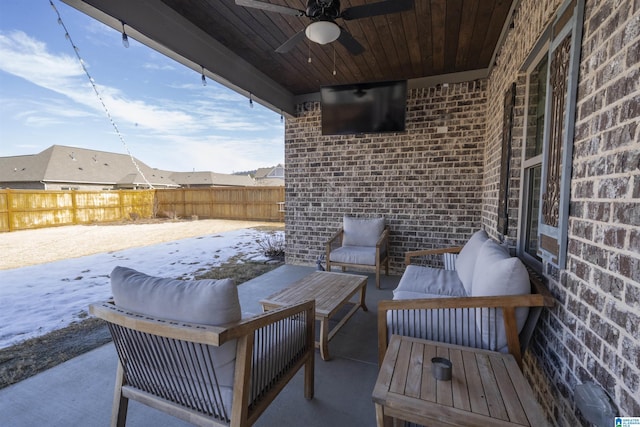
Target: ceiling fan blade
[375,9]
[289,44]
[352,45]
[270,7]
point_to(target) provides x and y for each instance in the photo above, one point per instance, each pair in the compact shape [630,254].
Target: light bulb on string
[204,79]
[250,100]
[334,60]
[281,117]
[125,38]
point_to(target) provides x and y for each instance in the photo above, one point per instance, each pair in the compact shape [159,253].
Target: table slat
[512,404]
[414,375]
[491,391]
[402,367]
[459,385]
[444,393]
[476,392]
[428,385]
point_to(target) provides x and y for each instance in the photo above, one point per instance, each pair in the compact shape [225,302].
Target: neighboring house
[71,168]
[273,176]
[211,179]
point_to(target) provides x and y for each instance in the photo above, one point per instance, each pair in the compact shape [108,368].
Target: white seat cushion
[354,255]
[466,260]
[427,280]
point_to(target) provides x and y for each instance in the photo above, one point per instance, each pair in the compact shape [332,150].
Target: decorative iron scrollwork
[558,80]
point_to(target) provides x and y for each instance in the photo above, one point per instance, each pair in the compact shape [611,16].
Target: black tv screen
[363,108]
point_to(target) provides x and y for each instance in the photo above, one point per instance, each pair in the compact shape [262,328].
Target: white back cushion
[466,261]
[497,273]
[362,231]
[210,302]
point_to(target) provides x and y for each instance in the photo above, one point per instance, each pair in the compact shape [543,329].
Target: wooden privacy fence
[242,203]
[25,209]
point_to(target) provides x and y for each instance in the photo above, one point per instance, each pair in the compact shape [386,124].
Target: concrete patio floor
[80,391]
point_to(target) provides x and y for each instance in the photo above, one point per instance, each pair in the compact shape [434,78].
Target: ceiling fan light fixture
[322,32]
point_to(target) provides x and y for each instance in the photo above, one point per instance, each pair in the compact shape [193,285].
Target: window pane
[534,176]
[535,117]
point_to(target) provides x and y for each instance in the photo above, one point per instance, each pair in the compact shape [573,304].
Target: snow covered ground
[38,299]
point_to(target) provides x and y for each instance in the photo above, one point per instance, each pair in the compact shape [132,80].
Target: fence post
[9,210]
[74,207]
[121,203]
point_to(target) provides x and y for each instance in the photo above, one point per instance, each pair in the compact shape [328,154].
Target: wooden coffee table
[486,388]
[331,291]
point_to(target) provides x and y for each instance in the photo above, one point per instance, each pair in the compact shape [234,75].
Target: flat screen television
[364,108]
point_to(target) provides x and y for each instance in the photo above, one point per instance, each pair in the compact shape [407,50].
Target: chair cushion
[362,231]
[354,255]
[427,280]
[209,302]
[466,261]
[499,274]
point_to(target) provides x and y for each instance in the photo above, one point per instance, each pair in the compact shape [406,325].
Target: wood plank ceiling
[436,37]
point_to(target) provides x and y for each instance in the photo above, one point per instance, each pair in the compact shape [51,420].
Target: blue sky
[167,118]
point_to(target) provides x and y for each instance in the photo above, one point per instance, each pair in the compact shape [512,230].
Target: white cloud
[189,126]
[26,57]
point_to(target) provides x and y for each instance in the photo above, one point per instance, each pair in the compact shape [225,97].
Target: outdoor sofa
[482,298]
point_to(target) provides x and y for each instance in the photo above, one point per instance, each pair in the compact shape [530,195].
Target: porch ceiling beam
[164,30]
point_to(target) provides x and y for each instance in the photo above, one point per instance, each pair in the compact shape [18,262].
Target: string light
[204,79]
[281,117]
[95,89]
[125,38]
[250,100]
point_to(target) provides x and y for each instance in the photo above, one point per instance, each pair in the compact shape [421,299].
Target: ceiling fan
[323,13]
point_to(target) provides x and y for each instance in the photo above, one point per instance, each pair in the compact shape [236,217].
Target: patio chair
[361,243]
[200,361]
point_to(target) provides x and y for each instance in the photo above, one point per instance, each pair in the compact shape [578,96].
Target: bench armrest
[424,252]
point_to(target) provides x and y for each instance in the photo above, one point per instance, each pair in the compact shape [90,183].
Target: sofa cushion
[499,274]
[466,260]
[354,255]
[427,280]
[210,302]
[362,231]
